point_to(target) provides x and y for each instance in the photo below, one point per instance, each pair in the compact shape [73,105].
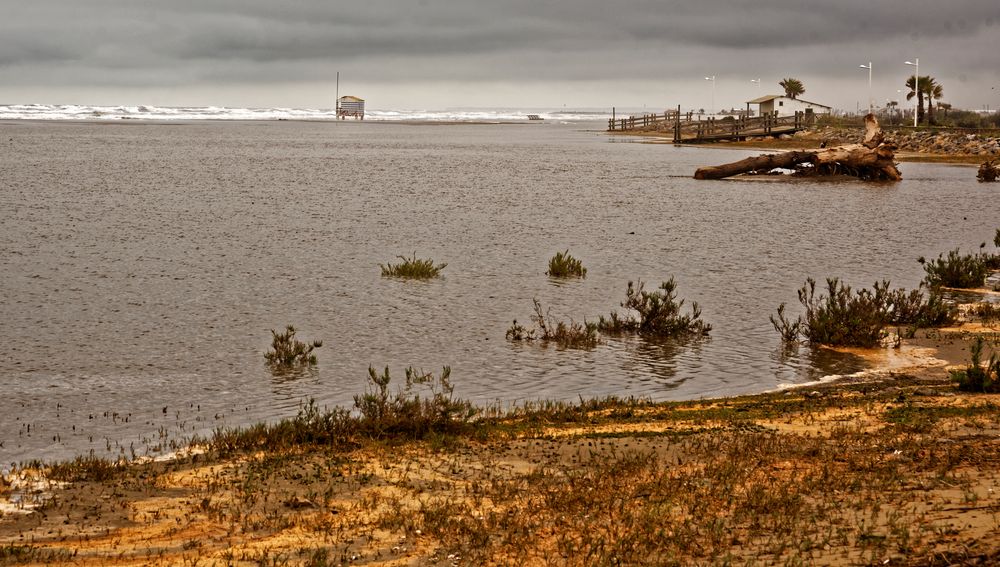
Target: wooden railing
[688,128]
[646,120]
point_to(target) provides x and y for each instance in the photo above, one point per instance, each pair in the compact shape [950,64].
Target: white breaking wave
[160,113]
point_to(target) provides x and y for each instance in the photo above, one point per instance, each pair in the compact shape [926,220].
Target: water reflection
[803,363]
[655,361]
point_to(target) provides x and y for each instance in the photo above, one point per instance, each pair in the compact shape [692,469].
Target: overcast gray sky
[434,54]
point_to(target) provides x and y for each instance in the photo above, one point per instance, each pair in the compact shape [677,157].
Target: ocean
[143,265]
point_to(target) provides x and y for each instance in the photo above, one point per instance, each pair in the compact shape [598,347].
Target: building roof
[349,98]
[769,98]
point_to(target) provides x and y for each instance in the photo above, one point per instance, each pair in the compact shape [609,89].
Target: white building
[786,106]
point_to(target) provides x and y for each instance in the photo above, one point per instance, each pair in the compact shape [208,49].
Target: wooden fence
[689,128]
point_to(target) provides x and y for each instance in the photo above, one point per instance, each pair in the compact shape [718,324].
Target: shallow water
[142,266]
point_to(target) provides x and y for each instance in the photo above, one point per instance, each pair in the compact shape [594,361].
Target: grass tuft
[564,265]
[406,412]
[412,268]
[287,352]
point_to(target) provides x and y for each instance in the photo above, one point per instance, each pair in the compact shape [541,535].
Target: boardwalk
[687,128]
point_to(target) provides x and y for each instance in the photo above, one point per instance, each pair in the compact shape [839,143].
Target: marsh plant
[405,412]
[412,268]
[288,352]
[844,317]
[566,335]
[979,377]
[654,314]
[957,270]
[564,265]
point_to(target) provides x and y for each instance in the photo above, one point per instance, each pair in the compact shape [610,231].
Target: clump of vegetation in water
[656,314]
[412,268]
[977,377]
[288,352]
[564,265]
[843,317]
[406,412]
[957,270]
[962,271]
[566,335]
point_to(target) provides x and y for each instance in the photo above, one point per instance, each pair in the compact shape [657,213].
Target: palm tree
[933,91]
[911,84]
[793,87]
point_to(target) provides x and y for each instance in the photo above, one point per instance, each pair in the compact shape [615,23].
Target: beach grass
[412,268]
[564,265]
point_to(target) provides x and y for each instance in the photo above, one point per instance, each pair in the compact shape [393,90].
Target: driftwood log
[989,171]
[873,159]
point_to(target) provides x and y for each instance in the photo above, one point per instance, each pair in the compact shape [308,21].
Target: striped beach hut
[351,106]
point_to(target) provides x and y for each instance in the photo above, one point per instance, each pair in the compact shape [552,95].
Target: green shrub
[976,377]
[657,314]
[563,265]
[566,335]
[957,270]
[405,412]
[288,352]
[846,318]
[412,268]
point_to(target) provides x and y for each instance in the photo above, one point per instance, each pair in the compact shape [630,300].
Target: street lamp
[916,89]
[870,100]
[712,78]
[758,84]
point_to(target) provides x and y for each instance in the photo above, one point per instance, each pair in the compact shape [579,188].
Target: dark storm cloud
[110,42]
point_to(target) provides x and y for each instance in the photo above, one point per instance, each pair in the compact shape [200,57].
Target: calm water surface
[142,266]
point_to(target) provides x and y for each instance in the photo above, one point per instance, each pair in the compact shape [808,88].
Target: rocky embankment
[940,142]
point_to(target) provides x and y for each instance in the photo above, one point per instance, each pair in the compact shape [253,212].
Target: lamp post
[712,78]
[870,100]
[916,89]
[758,84]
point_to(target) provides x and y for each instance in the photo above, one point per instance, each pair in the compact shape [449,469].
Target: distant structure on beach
[350,106]
[780,105]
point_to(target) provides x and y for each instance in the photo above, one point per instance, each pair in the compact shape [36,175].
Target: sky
[437,54]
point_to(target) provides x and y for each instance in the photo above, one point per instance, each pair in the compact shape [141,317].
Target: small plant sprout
[412,268]
[518,332]
[564,265]
[979,377]
[288,352]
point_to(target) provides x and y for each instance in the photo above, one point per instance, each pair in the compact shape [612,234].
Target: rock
[299,503]
[814,394]
[925,392]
